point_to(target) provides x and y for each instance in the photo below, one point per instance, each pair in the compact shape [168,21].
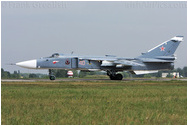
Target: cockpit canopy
[55,55]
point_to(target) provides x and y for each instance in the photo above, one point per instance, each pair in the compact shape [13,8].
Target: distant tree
[5,74]
[60,73]
[91,73]
[2,73]
[82,74]
[100,73]
[170,75]
[2,70]
[15,75]
[75,73]
[32,76]
[147,75]
[185,72]
[180,71]
[25,75]
[159,74]
[126,74]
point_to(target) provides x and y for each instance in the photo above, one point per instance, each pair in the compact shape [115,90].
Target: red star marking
[162,48]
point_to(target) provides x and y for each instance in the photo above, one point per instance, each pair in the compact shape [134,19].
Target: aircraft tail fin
[166,48]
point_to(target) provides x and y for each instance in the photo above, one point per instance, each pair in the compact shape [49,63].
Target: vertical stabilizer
[166,48]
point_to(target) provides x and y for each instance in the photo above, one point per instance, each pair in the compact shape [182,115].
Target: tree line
[81,74]
[57,73]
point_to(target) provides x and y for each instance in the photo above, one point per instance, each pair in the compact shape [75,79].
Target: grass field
[100,102]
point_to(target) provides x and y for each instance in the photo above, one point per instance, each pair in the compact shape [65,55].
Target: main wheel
[112,77]
[116,77]
[52,77]
[119,77]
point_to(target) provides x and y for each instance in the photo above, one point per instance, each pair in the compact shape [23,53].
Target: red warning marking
[82,63]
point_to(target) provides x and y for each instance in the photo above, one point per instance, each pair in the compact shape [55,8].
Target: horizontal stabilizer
[149,60]
[145,72]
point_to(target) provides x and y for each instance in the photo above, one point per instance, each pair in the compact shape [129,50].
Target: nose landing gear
[113,76]
[51,76]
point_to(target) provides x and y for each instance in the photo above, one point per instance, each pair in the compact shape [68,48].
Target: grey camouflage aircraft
[160,57]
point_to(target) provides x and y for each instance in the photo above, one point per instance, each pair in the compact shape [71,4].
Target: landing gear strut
[51,76]
[113,76]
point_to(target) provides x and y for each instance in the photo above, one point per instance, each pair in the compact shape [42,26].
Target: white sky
[31,30]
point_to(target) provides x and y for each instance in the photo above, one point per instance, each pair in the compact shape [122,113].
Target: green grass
[101,102]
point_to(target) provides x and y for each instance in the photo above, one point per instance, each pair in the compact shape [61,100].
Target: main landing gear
[113,76]
[51,76]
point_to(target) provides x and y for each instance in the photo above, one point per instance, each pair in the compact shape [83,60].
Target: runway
[90,79]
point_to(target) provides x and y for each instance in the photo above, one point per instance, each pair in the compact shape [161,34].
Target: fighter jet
[160,57]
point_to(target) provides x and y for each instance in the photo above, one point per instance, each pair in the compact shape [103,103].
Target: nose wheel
[51,76]
[114,76]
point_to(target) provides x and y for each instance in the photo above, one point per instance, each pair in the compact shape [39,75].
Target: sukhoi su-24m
[160,57]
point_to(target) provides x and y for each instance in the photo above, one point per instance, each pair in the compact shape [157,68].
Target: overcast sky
[31,30]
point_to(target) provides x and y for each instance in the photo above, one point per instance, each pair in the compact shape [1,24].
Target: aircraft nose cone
[32,64]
